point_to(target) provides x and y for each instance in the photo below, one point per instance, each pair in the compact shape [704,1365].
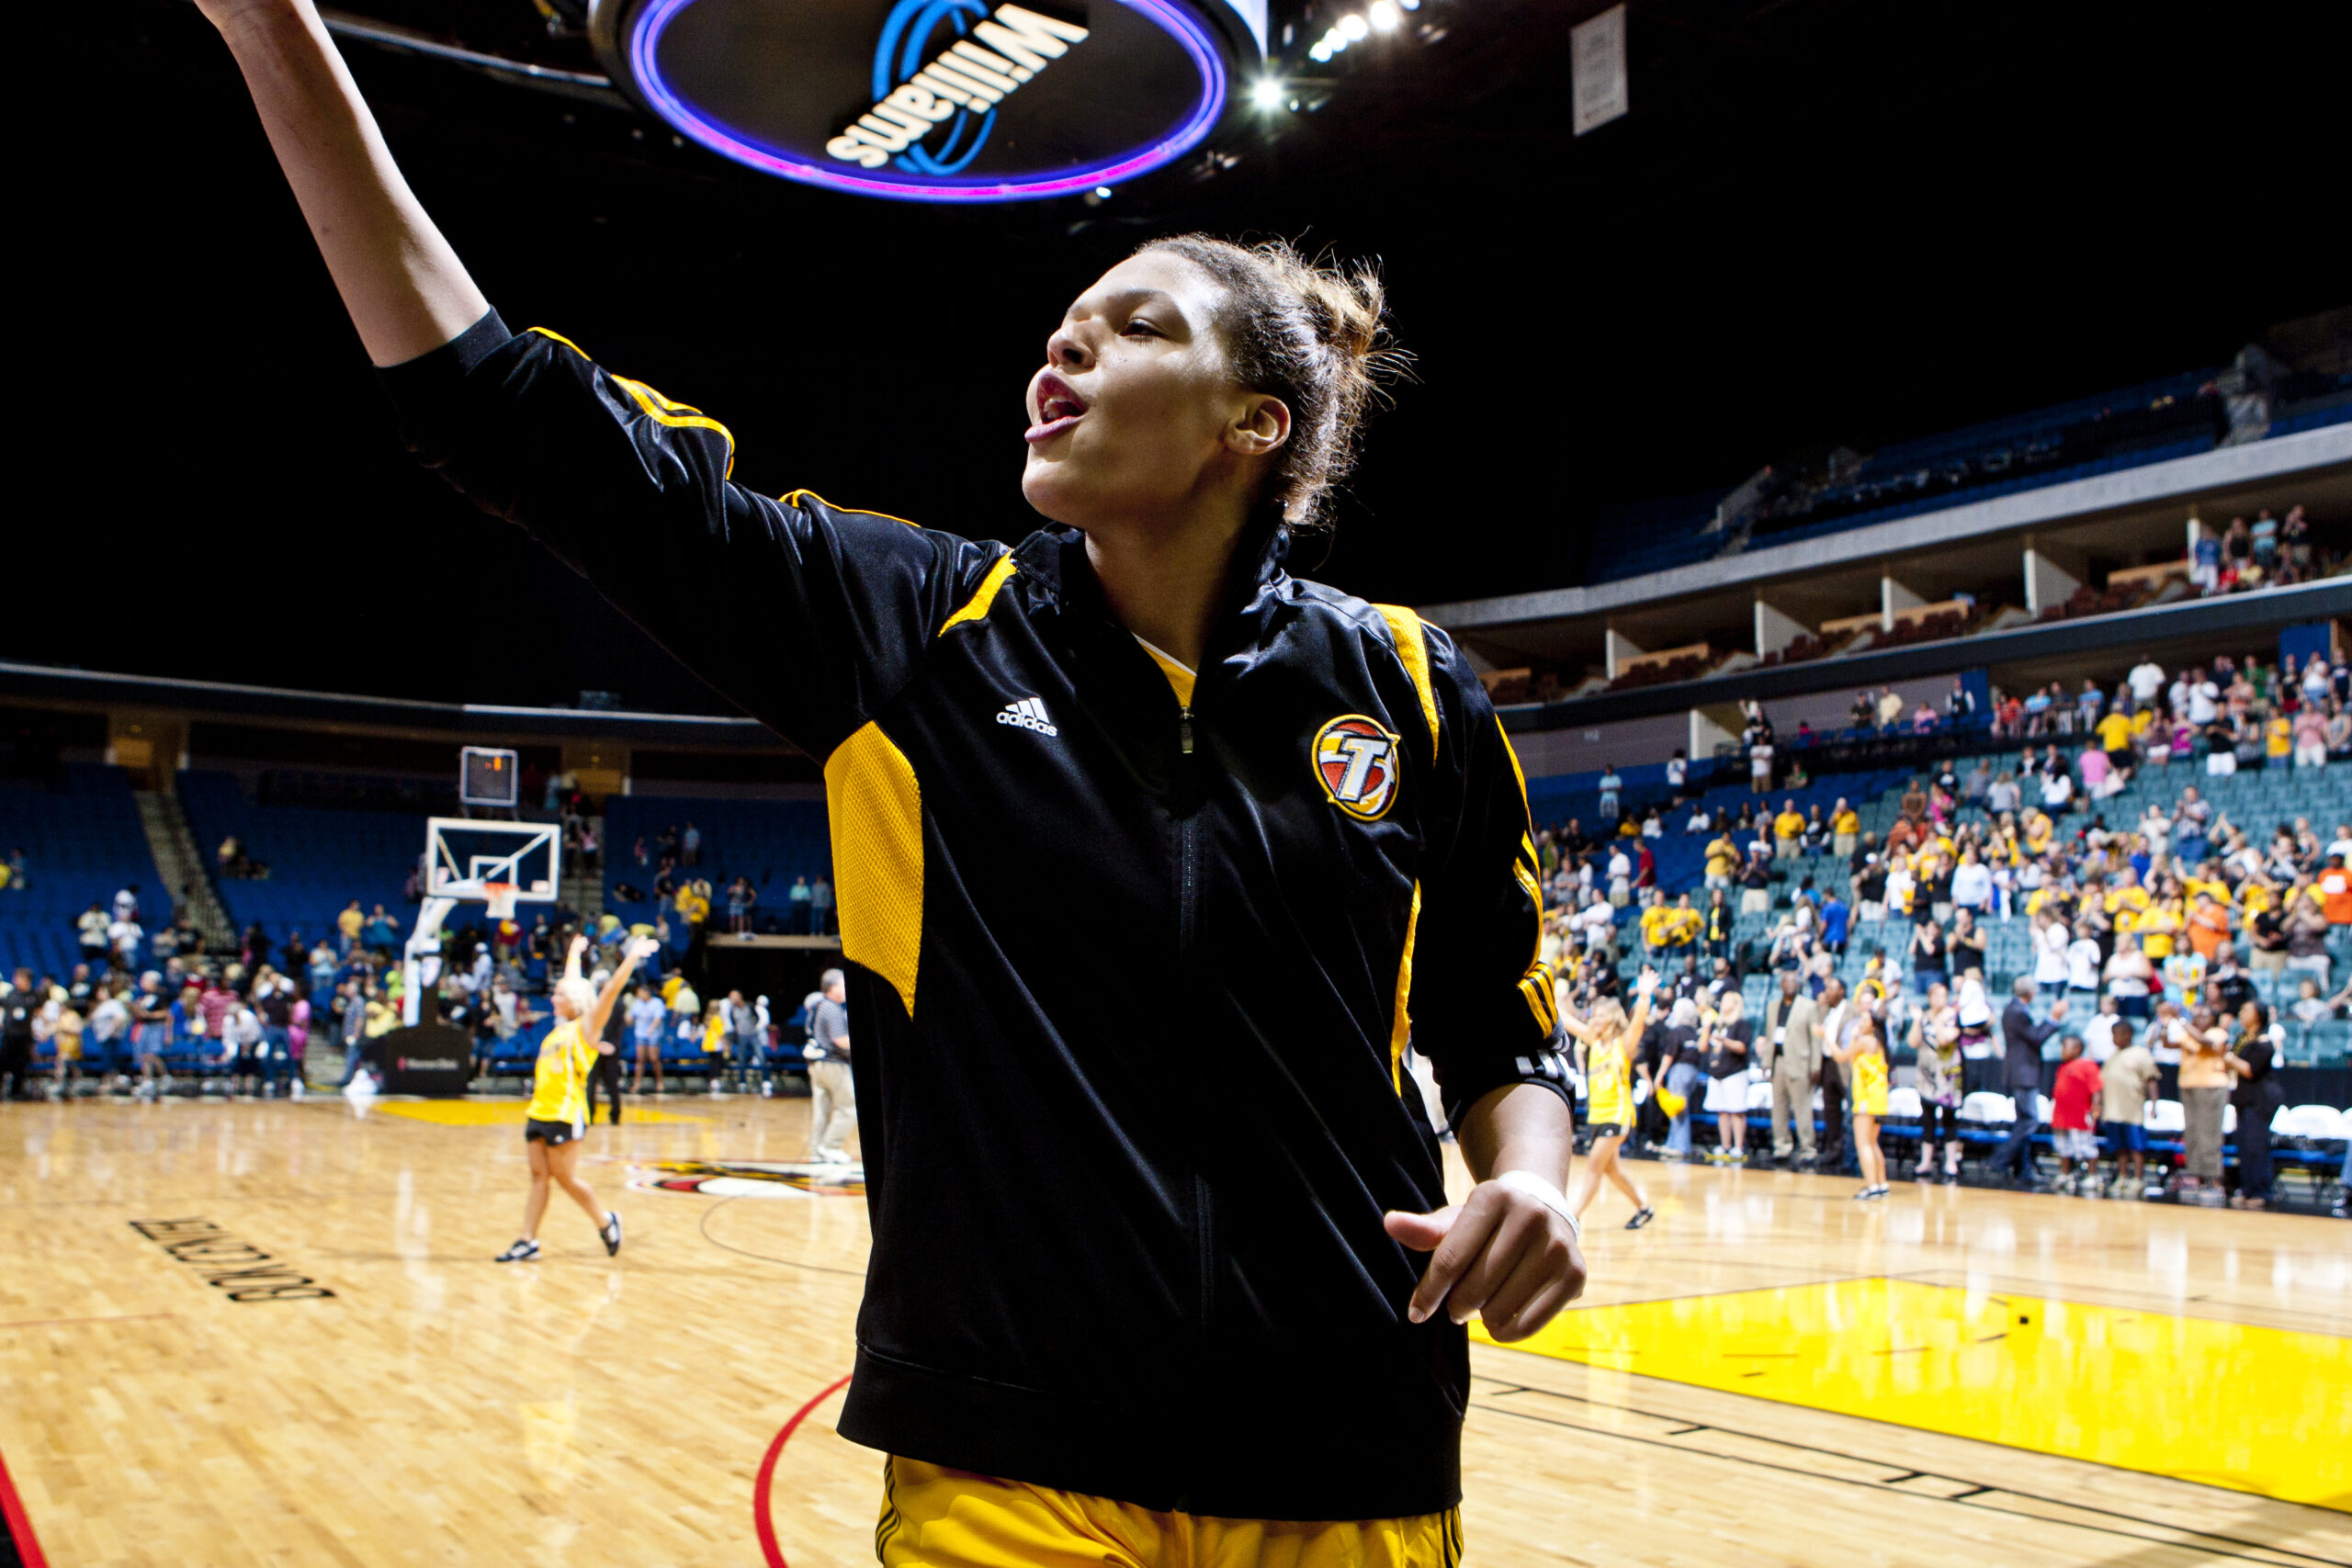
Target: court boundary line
[1897,1425]
[114,1317]
[2010,1285]
[704,1226]
[762,1523]
[1980,1488]
[17,1522]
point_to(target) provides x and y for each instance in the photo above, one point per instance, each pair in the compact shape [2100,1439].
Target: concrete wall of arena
[1549,754]
[1646,743]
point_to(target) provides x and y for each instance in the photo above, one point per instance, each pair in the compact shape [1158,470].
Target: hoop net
[500,896]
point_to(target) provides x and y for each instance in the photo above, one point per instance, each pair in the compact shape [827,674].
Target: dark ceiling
[1820,222]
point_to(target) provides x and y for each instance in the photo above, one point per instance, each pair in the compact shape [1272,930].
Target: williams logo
[937,100]
[1355,762]
[932,116]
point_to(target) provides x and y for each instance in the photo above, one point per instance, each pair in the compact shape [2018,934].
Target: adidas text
[1029,713]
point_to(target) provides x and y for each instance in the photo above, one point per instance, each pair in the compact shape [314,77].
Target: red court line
[20,1529]
[761,1483]
[52,1322]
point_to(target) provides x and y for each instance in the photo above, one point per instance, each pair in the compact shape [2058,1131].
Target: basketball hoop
[500,896]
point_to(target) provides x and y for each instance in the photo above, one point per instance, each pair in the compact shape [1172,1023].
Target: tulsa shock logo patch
[1355,762]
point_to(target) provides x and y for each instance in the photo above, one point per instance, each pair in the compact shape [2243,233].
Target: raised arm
[1642,991]
[593,1026]
[1579,1030]
[809,616]
[406,290]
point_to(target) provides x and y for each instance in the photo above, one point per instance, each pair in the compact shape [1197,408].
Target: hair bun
[1313,333]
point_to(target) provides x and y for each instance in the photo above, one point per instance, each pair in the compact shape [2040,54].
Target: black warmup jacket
[1131,977]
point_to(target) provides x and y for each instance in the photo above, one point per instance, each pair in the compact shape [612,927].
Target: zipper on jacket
[1189,805]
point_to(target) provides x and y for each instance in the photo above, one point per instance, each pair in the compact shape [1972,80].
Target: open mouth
[1058,407]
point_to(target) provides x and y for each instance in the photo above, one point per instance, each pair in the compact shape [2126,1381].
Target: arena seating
[82,843]
[319,859]
[770,842]
[2127,428]
[2311,1137]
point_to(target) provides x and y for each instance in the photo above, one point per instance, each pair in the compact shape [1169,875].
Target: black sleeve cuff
[1546,1067]
[422,387]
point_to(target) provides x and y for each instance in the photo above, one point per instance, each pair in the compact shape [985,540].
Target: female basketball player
[1606,1042]
[558,1117]
[1150,857]
[1867,1053]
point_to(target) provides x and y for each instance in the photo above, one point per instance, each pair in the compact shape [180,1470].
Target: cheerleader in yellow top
[1605,1044]
[558,1114]
[1867,1053]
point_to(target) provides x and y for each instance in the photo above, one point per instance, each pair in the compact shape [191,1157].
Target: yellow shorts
[936,1517]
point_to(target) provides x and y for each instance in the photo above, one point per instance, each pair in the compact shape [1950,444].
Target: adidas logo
[1029,713]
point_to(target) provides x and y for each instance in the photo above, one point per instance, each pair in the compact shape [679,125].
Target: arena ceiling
[1820,222]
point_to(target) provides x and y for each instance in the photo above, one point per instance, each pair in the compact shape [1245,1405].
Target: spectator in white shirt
[2051,940]
[2082,963]
[1972,883]
[2057,791]
[2145,680]
[1599,925]
[2204,701]
[2318,680]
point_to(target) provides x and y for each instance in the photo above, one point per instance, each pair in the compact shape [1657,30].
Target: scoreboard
[488,776]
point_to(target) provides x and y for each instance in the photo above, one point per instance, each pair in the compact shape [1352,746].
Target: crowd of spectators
[2143,936]
[135,1006]
[2269,552]
[2226,715]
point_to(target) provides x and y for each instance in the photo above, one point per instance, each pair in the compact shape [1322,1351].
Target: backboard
[461,855]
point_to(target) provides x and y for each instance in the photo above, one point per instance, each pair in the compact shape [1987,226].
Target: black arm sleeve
[1483,1008]
[807,615]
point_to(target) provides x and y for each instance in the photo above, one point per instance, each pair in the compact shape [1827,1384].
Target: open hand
[1500,1253]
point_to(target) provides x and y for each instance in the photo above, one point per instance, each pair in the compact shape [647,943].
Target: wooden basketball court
[272,1333]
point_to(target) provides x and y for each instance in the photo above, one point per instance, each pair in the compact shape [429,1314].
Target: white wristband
[1544,1192]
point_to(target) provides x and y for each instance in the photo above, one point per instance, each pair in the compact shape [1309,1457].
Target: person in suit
[1791,1043]
[2021,1040]
[1832,1076]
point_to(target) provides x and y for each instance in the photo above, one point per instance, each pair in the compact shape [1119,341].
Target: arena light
[1266,93]
[1354,27]
[1385,16]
